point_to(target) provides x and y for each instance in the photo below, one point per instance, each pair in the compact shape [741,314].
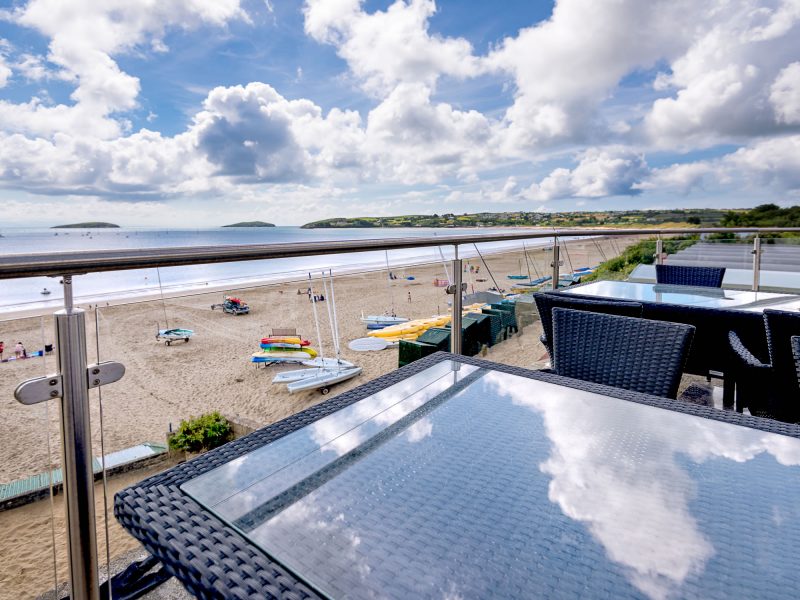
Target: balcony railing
[74,377]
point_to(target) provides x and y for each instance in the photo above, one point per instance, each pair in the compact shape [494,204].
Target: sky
[205,112]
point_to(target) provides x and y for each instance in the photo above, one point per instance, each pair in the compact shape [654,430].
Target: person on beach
[409,297]
[19,350]
[2,349]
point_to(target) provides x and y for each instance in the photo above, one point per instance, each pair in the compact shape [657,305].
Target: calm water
[98,287]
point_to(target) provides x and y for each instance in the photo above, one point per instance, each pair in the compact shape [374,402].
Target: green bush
[201,433]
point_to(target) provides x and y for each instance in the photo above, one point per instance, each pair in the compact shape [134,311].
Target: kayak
[285,339]
[289,351]
[280,345]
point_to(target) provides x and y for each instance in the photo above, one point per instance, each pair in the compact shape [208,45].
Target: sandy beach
[164,384]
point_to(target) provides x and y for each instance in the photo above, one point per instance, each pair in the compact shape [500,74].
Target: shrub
[201,433]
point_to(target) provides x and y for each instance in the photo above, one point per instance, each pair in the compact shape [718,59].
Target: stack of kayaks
[284,349]
[409,330]
[381,321]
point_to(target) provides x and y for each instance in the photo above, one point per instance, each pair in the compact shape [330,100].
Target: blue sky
[205,111]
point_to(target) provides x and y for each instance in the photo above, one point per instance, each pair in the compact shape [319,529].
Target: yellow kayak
[416,327]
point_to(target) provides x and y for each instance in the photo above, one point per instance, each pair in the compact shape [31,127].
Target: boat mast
[527,264]
[163,302]
[316,318]
[335,319]
[388,282]
[328,303]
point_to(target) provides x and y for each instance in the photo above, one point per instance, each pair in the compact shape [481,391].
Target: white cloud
[721,84]
[411,140]
[785,94]
[566,66]
[771,165]
[774,162]
[682,178]
[600,172]
[84,35]
[387,48]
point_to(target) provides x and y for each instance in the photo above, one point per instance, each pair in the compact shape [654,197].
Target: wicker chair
[546,302]
[769,389]
[696,276]
[624,352]
[796,354]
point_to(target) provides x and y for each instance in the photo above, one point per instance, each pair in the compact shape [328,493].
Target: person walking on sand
[2,349]
[19,349]
[409,297]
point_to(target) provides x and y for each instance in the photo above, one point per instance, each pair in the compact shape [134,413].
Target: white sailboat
[323,372]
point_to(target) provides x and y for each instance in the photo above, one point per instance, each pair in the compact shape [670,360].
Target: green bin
[413,350]
[437,336]
[470,342]
[497,328]
[483,328]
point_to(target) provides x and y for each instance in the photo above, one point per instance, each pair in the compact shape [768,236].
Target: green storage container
[501,323]
[436,336]
[413,350]
[470,342]
[483,328]
[509,318]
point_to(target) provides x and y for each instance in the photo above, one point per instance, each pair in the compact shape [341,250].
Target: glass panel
[500,484]
[780,264]
[29,460]
[728,250]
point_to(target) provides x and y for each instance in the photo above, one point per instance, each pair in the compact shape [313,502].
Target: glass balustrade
[31,508]
[226,344]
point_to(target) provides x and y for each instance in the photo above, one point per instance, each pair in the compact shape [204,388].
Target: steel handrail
[57,264]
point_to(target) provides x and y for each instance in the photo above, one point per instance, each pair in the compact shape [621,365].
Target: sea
[26,294]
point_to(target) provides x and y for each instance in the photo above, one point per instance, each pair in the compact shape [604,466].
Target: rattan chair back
[685,275]
[546,302]
[781,327]
[634,354]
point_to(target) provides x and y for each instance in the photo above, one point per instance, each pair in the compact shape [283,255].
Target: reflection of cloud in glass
[318,523]
[350,427]
[419,430]
[615,469]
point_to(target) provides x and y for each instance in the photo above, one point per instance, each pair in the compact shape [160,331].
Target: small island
[251,224]
[88,225]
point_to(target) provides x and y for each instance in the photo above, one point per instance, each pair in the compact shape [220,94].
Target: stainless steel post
[756,263]
[455,321]
[76,443]
[555,263]
[659,251]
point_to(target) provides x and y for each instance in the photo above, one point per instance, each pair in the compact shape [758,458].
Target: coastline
[134,296]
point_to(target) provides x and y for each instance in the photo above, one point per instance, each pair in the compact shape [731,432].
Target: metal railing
[75,377]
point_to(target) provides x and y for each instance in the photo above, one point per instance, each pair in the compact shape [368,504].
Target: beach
[212,372]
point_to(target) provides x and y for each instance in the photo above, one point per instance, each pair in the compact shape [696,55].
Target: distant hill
[765,215]
[88,225]
[604,218]
[251,224]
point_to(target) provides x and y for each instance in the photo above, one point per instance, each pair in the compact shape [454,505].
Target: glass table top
[464,482]
[688,295]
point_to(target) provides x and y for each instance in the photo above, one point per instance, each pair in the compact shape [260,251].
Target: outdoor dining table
[712,311]
[460,478]
[686,295]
